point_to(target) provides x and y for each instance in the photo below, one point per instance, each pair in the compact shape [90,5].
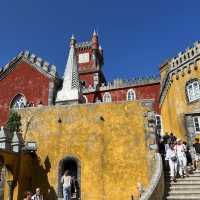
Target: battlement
[120,83]
[86,44]
[179,65]
[38,62]
[184,57]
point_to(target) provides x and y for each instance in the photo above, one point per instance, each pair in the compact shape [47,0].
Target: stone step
[190,175]
[184,187]
[184,192]
[187,188]
[190,178]
[194,175]
[193,172]
[182,181]
[183,197]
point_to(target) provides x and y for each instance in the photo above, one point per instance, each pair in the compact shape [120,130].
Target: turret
[71,91]
[95,42]
[72,41]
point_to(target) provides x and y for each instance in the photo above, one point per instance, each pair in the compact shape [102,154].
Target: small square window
[196,121]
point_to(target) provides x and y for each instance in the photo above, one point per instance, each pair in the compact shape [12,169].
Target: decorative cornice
[119,83]
[178,65]
[37,62]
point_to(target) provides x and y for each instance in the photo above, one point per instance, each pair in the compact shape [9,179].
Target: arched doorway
[71,164]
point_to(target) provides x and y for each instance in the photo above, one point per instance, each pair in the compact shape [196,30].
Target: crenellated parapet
[183,63]
[120,83]
[86,44]
[39,63]
[184,57]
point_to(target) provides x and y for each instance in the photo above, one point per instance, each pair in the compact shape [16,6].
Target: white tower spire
[70,92]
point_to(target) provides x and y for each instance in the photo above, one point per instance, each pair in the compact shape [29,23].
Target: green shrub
[14,122]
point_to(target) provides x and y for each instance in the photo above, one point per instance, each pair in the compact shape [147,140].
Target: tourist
[67,182]
[166,138]
[197,153]
[171,156]
[182,160]
[162,148]
[37,195]
[188,157]
[27,195]
[188,154]
[166,163]
[171,138]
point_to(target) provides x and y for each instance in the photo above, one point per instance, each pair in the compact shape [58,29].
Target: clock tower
[90,62]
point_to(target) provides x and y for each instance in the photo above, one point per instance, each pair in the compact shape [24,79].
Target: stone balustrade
[156,189]
[10,141]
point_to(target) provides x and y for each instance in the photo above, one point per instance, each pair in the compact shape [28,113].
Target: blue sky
[136,35]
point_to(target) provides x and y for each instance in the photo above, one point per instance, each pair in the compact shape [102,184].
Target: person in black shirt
[172,138]
[166,138]
[197,153]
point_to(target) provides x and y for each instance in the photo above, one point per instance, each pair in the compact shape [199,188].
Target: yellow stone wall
[176,104]
[108,139]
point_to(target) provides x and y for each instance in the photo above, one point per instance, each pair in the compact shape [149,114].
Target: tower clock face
[83,58]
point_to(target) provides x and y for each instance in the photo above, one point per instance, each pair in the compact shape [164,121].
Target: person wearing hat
[182,160]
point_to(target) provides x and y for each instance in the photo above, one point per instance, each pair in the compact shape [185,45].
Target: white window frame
[107,97]
[132,93]
[193,92]
[196,123]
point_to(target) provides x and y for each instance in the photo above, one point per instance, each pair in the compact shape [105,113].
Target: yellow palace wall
[176,104]
[108,139]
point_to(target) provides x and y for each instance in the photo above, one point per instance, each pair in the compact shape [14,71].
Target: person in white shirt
[67,182]
[37,195]
[171,156]
[182,160]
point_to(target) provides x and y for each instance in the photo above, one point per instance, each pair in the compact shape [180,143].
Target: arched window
[131,95]
[193,90]
[18,102]
[107,97]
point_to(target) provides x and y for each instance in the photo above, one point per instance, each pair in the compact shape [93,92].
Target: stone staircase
[187,188]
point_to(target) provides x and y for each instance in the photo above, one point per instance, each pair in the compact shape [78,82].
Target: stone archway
[73,165]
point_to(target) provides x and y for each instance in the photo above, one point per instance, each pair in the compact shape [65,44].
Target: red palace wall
[26,80]
[88,78]
[150,91]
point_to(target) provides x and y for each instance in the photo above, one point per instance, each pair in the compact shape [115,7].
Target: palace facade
[29,80]
[72,123]
[180,94]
